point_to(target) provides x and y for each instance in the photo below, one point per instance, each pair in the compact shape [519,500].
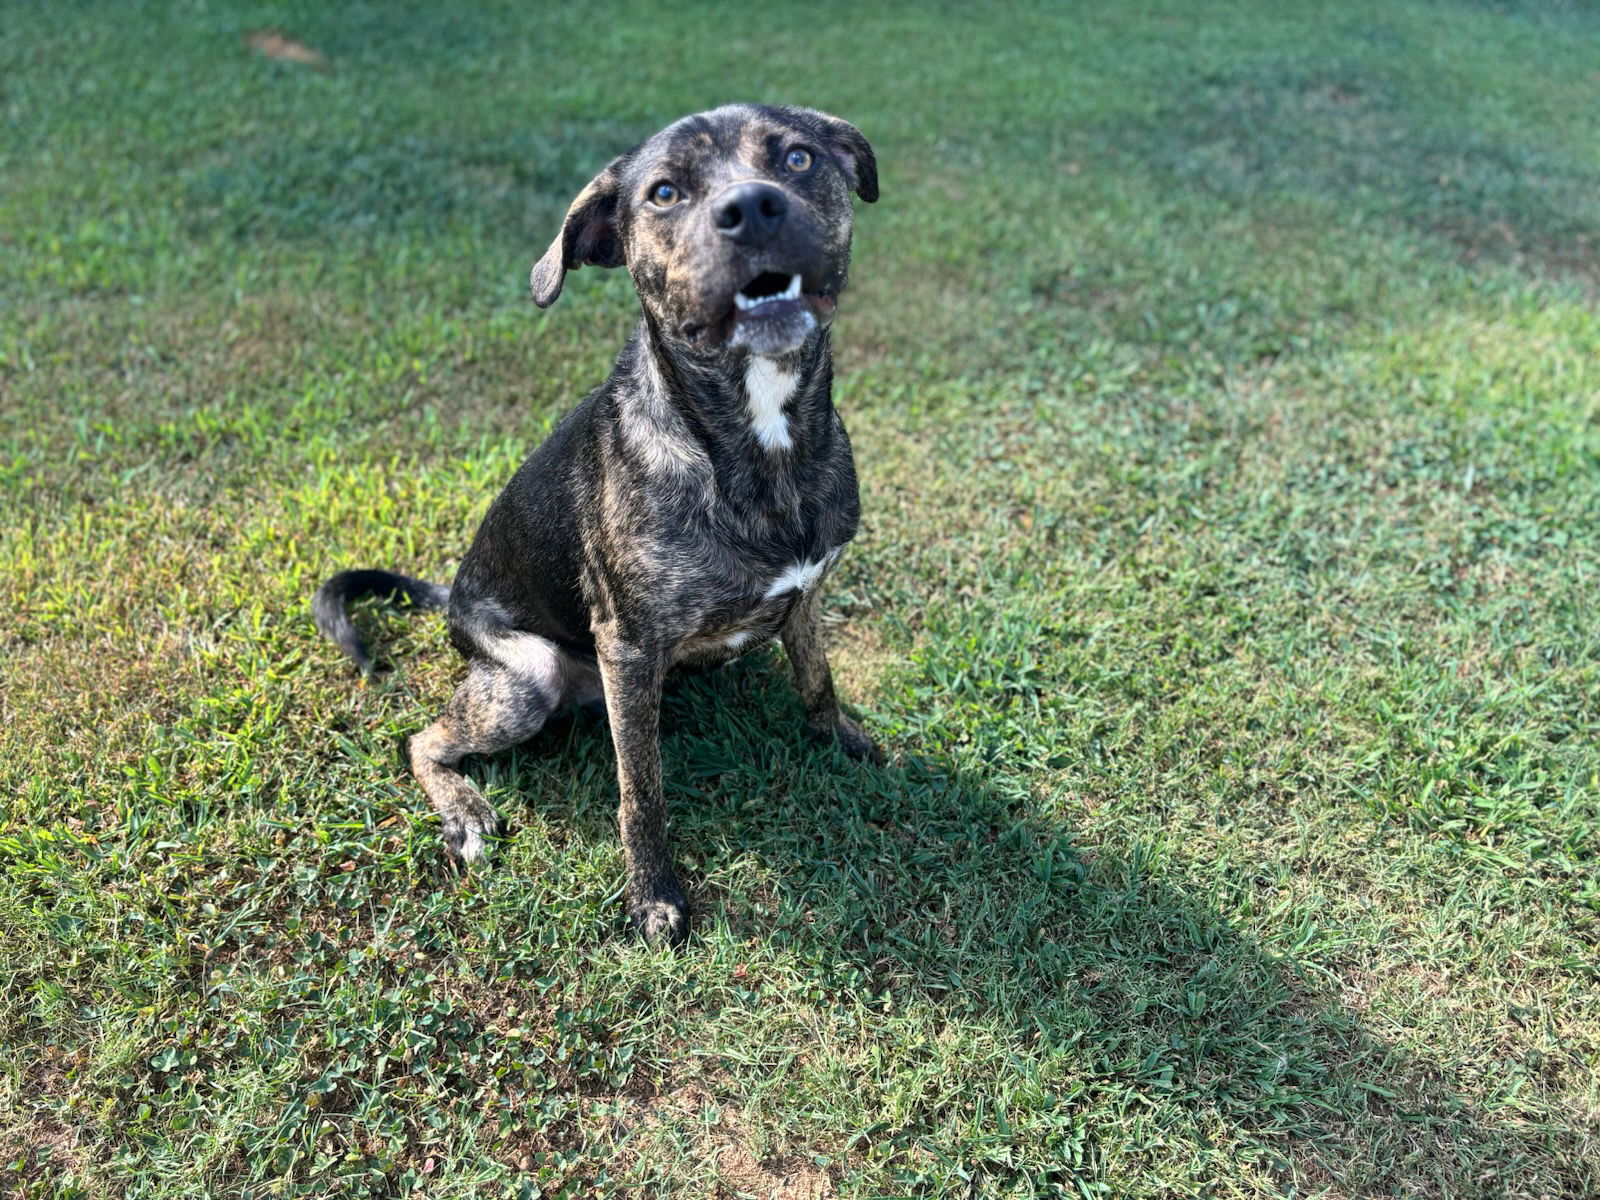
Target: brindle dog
[688,510]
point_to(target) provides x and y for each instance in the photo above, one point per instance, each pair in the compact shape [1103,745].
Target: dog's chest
[741,622]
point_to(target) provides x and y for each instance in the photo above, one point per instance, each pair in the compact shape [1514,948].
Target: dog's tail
[328,606]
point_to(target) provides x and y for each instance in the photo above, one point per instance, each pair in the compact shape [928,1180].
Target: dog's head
[734,223]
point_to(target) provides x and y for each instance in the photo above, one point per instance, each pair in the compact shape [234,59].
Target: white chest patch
[740,640]
[803,576]
[767,389]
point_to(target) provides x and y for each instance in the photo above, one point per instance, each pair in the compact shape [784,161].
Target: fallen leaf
[282,49]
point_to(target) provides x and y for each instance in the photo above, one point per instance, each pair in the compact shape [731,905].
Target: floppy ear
[588,235]
[853,155]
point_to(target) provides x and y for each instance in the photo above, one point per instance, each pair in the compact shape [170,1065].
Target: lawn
[1225,386]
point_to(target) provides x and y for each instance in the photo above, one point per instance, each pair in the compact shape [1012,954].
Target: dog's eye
[664,195]
[798,159]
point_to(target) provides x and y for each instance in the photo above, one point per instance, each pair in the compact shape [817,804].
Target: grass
[1225,381]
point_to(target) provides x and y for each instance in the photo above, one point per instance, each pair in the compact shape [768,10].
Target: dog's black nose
[751,213]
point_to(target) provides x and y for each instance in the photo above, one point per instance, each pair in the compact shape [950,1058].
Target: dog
[689,509]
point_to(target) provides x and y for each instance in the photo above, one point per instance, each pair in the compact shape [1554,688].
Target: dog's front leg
[802,642]
[632,677]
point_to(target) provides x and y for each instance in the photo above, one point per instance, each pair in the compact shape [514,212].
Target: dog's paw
[855,742]
[467,836]
[661,919]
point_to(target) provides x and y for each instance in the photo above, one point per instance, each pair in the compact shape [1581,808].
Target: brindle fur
[665,523]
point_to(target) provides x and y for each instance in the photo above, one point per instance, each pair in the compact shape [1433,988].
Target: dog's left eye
[664,195]
[798,159]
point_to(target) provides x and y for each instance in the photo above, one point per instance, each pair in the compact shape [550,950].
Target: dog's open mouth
[768,292]
[773,314]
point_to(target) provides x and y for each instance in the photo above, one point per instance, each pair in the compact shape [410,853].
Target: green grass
[1225,381]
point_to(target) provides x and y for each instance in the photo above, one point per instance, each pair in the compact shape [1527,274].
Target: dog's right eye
[664,195]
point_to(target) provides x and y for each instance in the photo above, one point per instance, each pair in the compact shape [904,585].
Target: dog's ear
[854,156]
[588,236]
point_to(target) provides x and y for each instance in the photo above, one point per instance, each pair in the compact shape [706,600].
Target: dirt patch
[790,1178]
[723,1143]
[39,1144]
[861,659]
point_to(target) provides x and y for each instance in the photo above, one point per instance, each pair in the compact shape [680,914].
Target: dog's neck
[755,421]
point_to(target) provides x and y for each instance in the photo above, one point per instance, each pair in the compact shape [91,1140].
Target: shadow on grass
[1114,989]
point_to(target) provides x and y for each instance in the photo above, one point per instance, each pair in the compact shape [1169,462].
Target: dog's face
[735,225]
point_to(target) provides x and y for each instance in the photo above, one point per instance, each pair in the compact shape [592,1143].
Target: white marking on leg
[472,845]
[767,388]
[538,660]
[743,638]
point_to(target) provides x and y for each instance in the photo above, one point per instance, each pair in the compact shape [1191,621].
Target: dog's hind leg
[504,700]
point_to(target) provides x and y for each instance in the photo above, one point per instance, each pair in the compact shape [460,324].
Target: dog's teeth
[745,303]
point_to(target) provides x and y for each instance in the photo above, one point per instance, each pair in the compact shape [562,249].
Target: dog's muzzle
[773,315]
